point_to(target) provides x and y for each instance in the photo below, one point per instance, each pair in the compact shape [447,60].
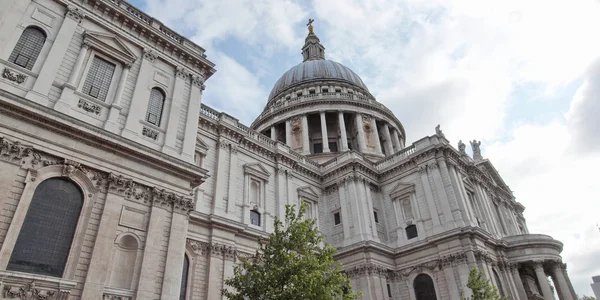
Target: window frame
[162,106]
[90,193]
[37,60]
[337,214]
[118,72]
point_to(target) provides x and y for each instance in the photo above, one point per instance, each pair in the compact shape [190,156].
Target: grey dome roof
[311,70]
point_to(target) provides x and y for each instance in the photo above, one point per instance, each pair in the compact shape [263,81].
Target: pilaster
[41,87]
[177,99]
[435,219]
[97,271]
[115,108]
[370,210]
[451,192]
[345,216]
[191,123]
[152,253]
[219,206]
[343,135]
[231,195]
[137,109]
[451,282]
[175,254]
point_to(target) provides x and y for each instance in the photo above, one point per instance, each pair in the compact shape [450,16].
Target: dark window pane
[333,147]
[376,218]
[45,239]
[28,48]
[155,107]
[411,232]
[317,148]
[98,78]
[254,218]
[184,278]
[336,218]
[389,288]
[424,289]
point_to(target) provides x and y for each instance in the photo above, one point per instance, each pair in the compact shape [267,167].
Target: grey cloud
[583,116]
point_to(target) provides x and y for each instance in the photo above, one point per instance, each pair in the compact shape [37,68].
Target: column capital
[75,13]
[199,82]
[150,54]
[538,264]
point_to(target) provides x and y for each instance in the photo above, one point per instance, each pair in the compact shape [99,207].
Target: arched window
[45,239]
[28,48]
[184,278]
[155,107]
[254,217]
[498,283]
[424,289]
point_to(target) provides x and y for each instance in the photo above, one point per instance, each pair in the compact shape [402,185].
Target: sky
[522,76]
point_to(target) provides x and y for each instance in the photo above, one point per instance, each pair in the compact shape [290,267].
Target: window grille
[98,78]
[28,48]
[184,278]
[254,218]
[155,107]
[45,239]
[411,232]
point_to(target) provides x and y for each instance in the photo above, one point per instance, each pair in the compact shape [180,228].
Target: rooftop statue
[476,151]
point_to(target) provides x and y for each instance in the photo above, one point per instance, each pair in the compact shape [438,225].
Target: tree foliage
[294,263]
[481,289]
[584,297]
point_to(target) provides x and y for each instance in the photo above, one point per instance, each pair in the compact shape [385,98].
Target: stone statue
[439,132]
[309,24]
[476,151]
[461,148]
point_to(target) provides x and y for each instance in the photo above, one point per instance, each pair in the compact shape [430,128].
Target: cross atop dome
[312,50]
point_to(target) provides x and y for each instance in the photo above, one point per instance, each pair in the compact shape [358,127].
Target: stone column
[175,254]
[451,281]
[389,149]
[288,132]
[305,140]
[396,141]
[273,133]
[376,136]
[371,210]
[452,193]
[324,136]
[218,206]
[565,292]
[177,100]
[101,254]
[43,83]
[152,252]
[215,272]
[137,109]
[193,114]
[435,219]
[231,195]
[342,126]
[543,280]
[566,276]
[443,196]
[361,133]
[344,210]
[78,63]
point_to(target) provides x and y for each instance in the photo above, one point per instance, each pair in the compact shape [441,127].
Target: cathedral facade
[117,183]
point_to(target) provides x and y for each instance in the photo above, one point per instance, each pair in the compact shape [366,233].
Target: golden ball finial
[310,27]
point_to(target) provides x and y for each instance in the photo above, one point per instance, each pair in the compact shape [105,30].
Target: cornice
[86,133]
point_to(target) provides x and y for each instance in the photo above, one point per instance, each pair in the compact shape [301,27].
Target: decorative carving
[439,132]
[432,166]
[13,76]
[75,13]
[366,269]
[89,107]
[150,55]
[476,151]
[199,82]
[10,150]
[215,249]
[163,198]
[27,292]
[234,149]
[182,73]
[151,133]
[106,296]
[461,148]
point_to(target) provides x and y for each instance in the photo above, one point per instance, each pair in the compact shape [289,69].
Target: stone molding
[150,55]
[199,82]
[13,76]
[215,249]
[28,157]
[75,13]
[29,291]
[182,73]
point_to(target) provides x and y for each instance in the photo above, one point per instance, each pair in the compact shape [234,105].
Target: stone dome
[314,70]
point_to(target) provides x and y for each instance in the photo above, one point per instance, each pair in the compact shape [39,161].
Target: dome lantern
[312,50]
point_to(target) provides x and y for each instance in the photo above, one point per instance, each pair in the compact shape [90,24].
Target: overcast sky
[522,76]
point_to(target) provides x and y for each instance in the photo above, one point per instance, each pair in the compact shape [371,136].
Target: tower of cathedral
[117,183]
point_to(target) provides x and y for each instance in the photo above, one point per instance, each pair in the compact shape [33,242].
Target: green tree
[584,297]
[294,263]
[481,289]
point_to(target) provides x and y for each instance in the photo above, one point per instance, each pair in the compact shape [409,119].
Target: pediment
[258,170]
[487,167]
[308,192]
[201,145]
[402,189]
[110,45]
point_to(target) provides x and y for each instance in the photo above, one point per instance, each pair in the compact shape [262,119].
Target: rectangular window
[350,146]
[376,218]
[98,78]
[298,94]
[317,148]
[325,90]
[389,288]
[254,218]
[333,147]
[337,218]
[311,92]
[411,232]
[338,90]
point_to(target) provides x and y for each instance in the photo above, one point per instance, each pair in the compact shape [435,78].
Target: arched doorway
[424,288]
